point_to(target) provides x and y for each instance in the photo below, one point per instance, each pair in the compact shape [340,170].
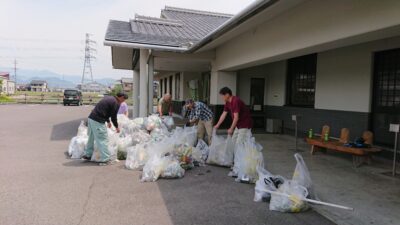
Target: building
[38,86]
[7,86]
[93,87]
[126,83]
[329,62]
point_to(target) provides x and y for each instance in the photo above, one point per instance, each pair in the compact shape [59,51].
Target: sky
[49,34]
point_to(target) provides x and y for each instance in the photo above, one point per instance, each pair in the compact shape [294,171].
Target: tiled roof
[176,27]
[38,82]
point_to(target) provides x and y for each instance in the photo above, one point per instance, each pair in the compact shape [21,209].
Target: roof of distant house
[127,80]
[176,27]
[4,73]
[38,82]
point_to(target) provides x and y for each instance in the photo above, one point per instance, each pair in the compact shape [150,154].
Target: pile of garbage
[285,195]
[152,145]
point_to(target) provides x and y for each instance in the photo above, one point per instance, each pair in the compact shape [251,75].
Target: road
[40,185]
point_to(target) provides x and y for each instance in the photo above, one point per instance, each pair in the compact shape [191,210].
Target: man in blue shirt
[200,114]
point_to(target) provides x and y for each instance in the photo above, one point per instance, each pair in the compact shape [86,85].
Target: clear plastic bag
[200,153]
[190,135]
[294,202]
[137,157]
[266,181]
[152,122]
[77,146]
[173,169]
[221,151]
[82,130]
[168,121]
[248,157]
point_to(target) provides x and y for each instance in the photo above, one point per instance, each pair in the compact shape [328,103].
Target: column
[151,86]
[220,79]
[143,95]
[135,93]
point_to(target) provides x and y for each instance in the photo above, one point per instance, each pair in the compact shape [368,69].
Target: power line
[15,71]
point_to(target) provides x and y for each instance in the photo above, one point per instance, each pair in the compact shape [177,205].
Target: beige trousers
[202,128]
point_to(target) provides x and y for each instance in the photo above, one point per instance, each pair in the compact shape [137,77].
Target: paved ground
[40,185]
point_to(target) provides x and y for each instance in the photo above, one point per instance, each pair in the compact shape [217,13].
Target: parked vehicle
[72,96]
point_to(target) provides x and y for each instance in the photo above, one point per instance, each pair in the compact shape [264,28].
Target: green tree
[117,88]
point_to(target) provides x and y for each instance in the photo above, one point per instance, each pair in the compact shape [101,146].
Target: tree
[117,88]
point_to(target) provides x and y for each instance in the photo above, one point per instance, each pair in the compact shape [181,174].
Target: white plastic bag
[200,153]
[173,169]
[266,181]
[301,174]
[221,150]
[77,146]
[190,135]
[292,204]
[137,157]
[82,130]
[248,157]
[168,121]
[152,122]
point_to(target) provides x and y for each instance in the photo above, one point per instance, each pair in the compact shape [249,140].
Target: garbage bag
[301,175]
[221,150]
[200,152]
[248,157]
[183,153]
[82,130]
[266,181]
[137,157]
[124,142]
[77,146]
[190,135]
[173,169]
[294,202]
[152,122]
[139,122]
[140,136]
[168,121]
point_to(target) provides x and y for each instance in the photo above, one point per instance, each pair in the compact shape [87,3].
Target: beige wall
[220,79]
[344,76]
[343,82]
[312,25]
[275,78]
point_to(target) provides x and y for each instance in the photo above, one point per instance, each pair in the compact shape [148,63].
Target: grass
[5,99]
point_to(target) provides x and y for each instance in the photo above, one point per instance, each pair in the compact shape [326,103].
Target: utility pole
[87,67]
[15,71]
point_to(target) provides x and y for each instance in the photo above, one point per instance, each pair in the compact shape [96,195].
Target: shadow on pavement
[66,130]
[79,163]
[206,195]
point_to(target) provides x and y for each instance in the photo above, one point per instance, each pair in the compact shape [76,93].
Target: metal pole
[395,153]
[295,135]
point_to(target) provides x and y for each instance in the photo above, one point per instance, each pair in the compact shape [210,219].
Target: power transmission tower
[87,67]
[15,71]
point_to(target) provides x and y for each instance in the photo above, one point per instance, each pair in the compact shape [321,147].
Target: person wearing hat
[106,109]
[200,114]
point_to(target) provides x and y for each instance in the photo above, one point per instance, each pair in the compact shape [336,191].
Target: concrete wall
[344,76]
[220,79]
[314,25]
[188,76]
[275,82]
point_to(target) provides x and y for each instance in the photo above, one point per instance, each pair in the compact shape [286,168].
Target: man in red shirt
[240,113]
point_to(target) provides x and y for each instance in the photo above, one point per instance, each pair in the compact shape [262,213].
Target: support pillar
[135,93]
[150,83]
[143,95]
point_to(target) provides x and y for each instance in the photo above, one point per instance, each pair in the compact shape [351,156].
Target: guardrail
[51,99]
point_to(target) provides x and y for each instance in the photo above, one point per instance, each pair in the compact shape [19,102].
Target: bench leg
[313,149]
[360,160]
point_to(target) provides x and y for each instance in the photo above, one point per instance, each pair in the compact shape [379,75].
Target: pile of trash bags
[154,146]
[294,191]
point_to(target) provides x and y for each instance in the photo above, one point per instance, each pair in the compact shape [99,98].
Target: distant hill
[55,80]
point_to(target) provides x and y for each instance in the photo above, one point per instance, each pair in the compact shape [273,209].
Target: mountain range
[54,80]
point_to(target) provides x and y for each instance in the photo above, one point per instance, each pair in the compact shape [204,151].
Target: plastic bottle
[326,136]
[310,133]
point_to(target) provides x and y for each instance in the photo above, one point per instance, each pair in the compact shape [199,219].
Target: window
[387,79]
[161,88]
[165,86]
[177,86]
[170,85]
[301,73]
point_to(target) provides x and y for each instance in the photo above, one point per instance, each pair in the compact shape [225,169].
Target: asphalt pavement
[39,184]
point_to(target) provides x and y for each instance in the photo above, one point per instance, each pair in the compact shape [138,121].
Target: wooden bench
[360,155]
